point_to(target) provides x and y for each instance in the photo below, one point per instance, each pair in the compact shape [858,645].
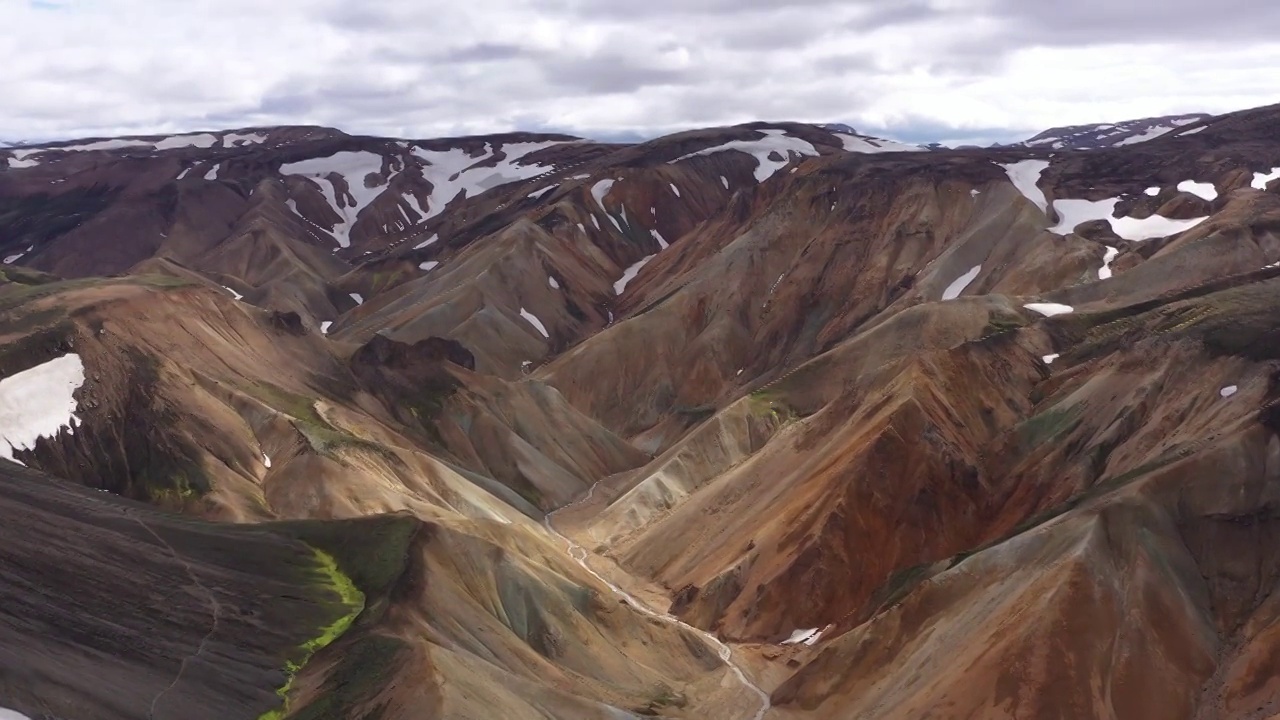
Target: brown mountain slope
[924,434]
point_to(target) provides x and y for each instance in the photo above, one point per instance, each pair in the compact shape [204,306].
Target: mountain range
[773,421]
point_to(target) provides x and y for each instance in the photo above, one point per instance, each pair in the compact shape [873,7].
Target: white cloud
[918,69]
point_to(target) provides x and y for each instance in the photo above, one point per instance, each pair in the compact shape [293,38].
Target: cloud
[914,69]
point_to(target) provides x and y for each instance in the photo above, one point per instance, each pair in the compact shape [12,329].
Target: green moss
[373,552]
[323,437]
[334,580]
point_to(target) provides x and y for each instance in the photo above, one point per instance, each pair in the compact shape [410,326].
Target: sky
[951,71]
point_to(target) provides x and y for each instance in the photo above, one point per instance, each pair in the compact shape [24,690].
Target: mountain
[765,421]
[1127,132]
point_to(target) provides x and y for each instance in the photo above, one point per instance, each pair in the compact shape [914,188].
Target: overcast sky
[917,70]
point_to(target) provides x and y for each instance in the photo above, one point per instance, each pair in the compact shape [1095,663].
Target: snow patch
[1049,309]
[863,144]
[212,174]
[675,189]
[39,402]
[238,139]
[1199,189]
[116,144]
[233,292]
[629,274]
[454,172]
[535,322]
[552,282]
[13,258]
[1260,180]
[543,191]
[1150,133]
[599,190]
[662,243]
[428,265]
[6,714]
[1228,391]
[199,140]
[1152,191]
[975,192]
[808,637]
[434,237]
[354,167]
[183,173]
[1025,175]
[266,460]
[1074,212]
[774,142]
[1048,359]
[358,298]
[959,284]
[1104,272]
[324,327]
[724,181]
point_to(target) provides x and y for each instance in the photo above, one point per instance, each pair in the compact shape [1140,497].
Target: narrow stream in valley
[579,555]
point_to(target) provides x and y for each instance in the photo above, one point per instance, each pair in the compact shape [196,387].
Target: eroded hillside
[770,421]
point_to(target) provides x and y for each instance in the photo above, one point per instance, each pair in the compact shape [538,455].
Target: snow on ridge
[630,273]
[39,402]
[354,167]
[959,284]
[1049,309]
[195,140]
[1025,176]
[869,145]
[1202,190]
[455,172]
[774,141]
[535,322]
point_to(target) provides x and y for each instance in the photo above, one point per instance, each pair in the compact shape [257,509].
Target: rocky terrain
[766,421]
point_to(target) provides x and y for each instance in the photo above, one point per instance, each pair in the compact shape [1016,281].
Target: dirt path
[580,554]
[215,607]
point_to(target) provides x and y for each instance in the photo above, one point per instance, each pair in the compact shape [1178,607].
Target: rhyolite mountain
[766,421]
